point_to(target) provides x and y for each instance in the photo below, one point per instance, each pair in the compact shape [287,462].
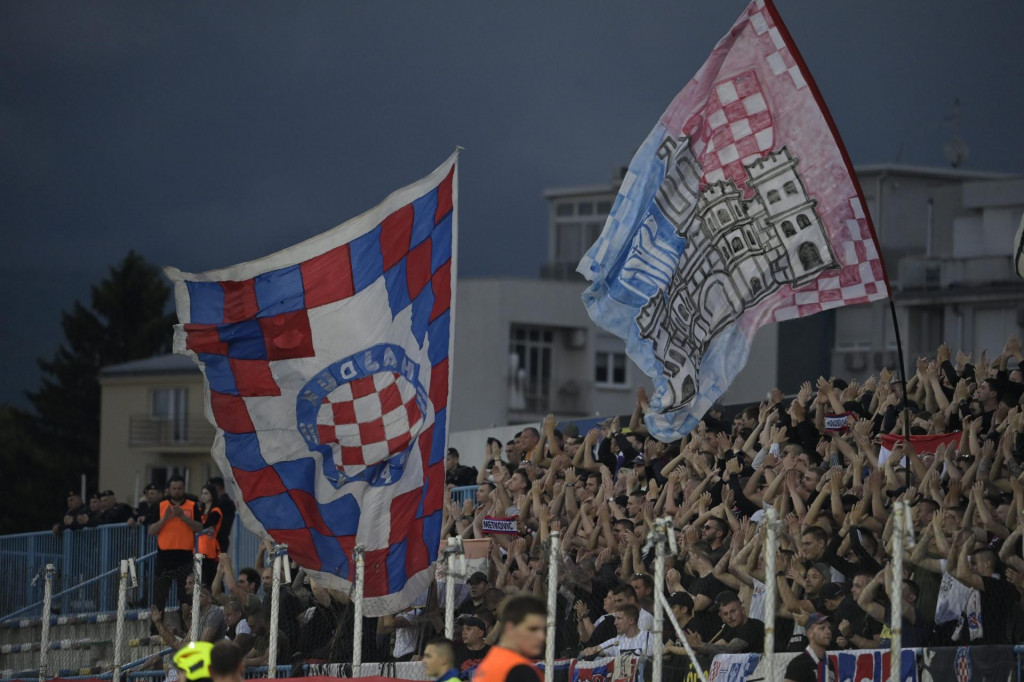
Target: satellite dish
[1018,249]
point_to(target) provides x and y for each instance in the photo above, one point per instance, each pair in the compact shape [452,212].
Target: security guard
[175,540]
[439,660]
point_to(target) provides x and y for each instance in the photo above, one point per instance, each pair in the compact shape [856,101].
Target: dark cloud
[204,134]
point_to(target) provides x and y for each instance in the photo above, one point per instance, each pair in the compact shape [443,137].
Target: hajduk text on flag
[739,209]
[327,369]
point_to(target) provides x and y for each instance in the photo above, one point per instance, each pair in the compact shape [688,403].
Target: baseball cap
[833,591]
[681,599]
[150,487]
[472,622]
[815,619]
[477,578]
[95,496]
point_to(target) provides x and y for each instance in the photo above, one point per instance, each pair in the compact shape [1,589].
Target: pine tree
[127,319]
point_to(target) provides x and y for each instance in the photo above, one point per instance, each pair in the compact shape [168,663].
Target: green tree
[126,319]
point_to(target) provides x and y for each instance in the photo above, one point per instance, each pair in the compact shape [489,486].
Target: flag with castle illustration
[739,209]
[327,370]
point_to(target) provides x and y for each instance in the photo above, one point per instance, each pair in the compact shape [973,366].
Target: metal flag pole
[659,534]
[896,592]
[197,586]
[357,610]
[549,645]
[770,590]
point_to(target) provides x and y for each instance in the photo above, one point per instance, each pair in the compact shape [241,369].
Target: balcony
[191,431]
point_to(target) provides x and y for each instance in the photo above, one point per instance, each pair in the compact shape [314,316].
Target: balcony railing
[191,431]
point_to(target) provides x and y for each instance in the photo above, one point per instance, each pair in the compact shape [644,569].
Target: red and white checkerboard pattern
[779,60]
[370,419]
[736,129]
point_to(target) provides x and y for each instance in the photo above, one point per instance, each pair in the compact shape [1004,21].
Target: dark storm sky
[206,134]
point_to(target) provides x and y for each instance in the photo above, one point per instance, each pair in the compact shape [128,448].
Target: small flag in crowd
[739,209]
[327,370]
[921,444]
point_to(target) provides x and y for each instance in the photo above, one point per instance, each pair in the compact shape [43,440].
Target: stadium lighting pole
[770,590]
[44,639]
[197,587]
[357,610]
[549,645]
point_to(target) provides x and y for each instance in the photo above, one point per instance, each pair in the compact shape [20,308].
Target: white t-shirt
[640,645]
[646,621]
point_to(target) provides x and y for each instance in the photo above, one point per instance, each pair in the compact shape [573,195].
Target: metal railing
[188,431]
[86,562]
[463,493]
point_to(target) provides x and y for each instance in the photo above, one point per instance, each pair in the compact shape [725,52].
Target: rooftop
[159,364]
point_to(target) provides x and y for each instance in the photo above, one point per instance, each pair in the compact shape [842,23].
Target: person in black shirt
[473,648]
[812,665]
[739,634]
[70,521]
[227,509]
[148,510]
[1000,602]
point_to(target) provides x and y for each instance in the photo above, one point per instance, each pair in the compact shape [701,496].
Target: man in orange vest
[523,620]
[175,533]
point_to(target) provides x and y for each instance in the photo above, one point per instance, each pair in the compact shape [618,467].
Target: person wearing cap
[739,634]
[478,584]
[70,519]
[457,474]
[149,507]
[175,538]
[439,660]
[112,511]
[812,665]
[193,661]
[473,648]
[227,508]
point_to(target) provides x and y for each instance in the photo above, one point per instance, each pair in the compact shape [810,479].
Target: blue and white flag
[327,370]
[739,209]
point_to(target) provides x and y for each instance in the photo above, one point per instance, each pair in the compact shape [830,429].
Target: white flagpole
[896,592]
[357,611]
[770,590]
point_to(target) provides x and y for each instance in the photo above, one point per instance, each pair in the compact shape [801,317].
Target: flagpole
[903,381]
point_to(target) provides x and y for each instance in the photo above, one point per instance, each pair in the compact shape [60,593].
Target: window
[564,208]
[803,221]
[604,207]
[809,256]
[586,208]
[159,476]
[531,348]
[170,405]
[568,242]
[789,188]
[737,244]
[610,368]
[773,196]
[723,216]
[787,228]
[755,285]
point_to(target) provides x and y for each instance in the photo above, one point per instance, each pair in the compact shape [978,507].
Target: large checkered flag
[739,209]
[327,369]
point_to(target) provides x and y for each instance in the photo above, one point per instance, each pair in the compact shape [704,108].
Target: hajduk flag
[739,209]
[327,369]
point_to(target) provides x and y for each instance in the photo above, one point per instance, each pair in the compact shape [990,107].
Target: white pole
[659,595]
[770,589]
[275,612]
[122,599]
[659,609]
[197,587]
[454,548]
[896,591]
[135,500]
[357,610]
[549,647]
[85,500]
[44,639]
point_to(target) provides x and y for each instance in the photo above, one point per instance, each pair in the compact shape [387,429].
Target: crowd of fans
[817,458]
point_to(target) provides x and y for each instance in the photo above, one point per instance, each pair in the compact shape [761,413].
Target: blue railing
[463,493]
[87,563]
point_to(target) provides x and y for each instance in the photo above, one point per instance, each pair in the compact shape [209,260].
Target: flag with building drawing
[739,209]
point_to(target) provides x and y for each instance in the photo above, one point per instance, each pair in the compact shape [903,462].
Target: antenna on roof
[956,148]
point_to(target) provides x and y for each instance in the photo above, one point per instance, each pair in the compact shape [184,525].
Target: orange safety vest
[497,664]
[176,534]
[208,545]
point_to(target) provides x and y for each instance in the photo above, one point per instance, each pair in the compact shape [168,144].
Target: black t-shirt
[804,669]
[999,601]
[709,586]
[466,659]
[751,632]
[227,509]
[861,624]
[522,673]
[603,631]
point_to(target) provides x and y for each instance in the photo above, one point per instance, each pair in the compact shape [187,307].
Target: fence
[86,563]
